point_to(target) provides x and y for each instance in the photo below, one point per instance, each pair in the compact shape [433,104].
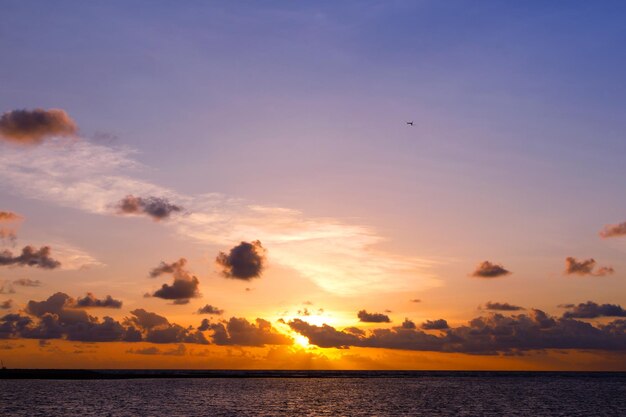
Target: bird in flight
[409,123]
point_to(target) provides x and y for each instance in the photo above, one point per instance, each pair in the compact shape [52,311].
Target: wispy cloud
[339,257]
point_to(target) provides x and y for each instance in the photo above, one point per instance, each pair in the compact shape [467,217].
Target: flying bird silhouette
[409,123]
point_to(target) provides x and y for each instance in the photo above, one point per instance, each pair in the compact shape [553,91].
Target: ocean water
[418,394]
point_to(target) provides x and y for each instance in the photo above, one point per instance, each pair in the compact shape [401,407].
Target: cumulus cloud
[408,324]
[6,305]
[33,126]
[614,230]
[586,267]
[156,207]
[185,285]
[59,317]
[440,324]
[502,307]
[30,256]
[27,282]
[494,334]
[487,269]
[90,300]
[366,317]
[245,261]
[591,310]
[209,309]
[240,332]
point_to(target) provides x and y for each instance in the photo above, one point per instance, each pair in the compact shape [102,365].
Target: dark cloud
[440,324]
[27,282]
[494,334]
[6,305]
[502,307]
[180,350]
[240,332]
[591,310]
[185,285]
[304,312]
[614,230]
[30,257]
[59,318]
[408,324]
[245,261]
[585,267]
[416,300]
[487,269]
[209,309]
[33,126]
[366,317]
[181,302]
[155,207]
[90,300]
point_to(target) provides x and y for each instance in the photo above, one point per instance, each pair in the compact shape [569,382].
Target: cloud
[30,257]
[366,317]
[245,261]
[340,257]
[240,332]
[8,226]
[416,300]
[58,317]
[91,301]
[613,230]
[6,305]
[209,309]
[33,126]
[27,282]
[591,310]
[487,269]
[408,324]
[440,324]
[185,285]
[502,307]
[155,207]
[493,334]
[180,350]
[585,267]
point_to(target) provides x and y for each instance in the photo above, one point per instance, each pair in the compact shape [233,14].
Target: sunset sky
[234,184]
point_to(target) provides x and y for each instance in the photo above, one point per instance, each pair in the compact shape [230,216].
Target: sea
[276,393]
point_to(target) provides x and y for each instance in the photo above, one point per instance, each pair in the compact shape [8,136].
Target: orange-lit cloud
[33,126]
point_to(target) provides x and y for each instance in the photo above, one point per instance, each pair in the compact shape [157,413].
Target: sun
[301,341]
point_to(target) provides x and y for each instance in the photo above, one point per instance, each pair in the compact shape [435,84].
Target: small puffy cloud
[240,332]
[366,317]
[415,300]
[487,269]
[209,309]
[408,324]
[33,126]
[245,261]
[614,230]
[591,310]
[155,207]
[440,324]
[585,267]
[90,300]
[6,305]
[501,307]
[30,256]
[185,285]
[27,282]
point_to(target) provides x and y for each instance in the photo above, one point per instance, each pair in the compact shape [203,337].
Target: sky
[234,185]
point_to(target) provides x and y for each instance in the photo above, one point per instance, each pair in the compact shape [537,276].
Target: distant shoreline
[69,374]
